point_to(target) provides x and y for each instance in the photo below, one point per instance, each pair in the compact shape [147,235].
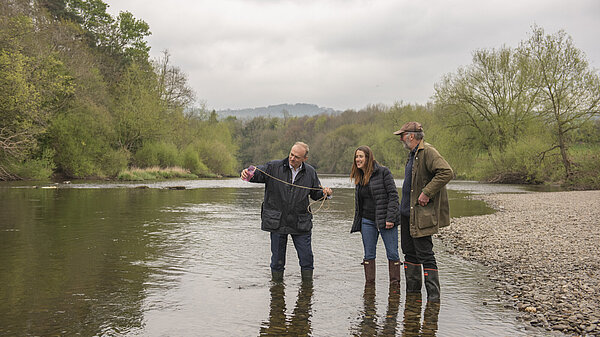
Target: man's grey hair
[305,146]
[418,135]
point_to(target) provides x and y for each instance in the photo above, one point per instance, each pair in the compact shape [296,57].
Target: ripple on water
[181,262]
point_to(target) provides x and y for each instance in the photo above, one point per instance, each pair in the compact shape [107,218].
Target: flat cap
[410,127]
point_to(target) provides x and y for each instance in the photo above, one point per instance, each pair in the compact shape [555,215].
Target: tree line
[81,98]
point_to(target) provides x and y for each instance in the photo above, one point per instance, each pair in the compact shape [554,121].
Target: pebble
[543,252]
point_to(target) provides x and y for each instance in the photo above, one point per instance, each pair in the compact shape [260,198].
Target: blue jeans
[302,242]
[370,234]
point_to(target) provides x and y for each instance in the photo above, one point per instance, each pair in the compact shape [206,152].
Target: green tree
[491,99]
[82,143]
[570,90]
[34,84]
[127,36]
[138,115]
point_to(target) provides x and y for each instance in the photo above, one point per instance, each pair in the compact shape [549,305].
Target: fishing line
[322,200]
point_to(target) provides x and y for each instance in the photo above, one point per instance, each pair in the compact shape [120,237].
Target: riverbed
[543,252]
[140,259]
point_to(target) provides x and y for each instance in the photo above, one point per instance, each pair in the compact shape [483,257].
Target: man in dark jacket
[423,209]
[285,209]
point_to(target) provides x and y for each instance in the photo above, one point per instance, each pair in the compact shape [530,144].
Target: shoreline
[543,253]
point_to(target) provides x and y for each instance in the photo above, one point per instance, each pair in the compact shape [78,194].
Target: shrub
[114,161]
[81,142]
[160,154]
[586,165]
[216,157]
[192,162]
[524,161]
[35,168]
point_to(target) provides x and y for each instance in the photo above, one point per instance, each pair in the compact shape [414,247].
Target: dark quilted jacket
[384,192]
[285,207]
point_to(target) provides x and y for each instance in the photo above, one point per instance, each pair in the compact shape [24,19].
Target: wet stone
[560,327]
[540,257]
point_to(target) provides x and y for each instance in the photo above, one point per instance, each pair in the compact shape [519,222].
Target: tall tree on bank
[173,87]
[570,90]
[491,100]
[34,85]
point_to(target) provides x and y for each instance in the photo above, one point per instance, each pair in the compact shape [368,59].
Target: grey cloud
[340,53]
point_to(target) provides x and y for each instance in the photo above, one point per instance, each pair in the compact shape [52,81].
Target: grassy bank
[155,173]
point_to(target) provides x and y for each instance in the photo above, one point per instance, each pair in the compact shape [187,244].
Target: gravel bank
[543,251]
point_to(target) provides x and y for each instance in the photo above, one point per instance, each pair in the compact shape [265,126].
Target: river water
[114,259]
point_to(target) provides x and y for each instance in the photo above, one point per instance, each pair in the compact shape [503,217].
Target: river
[140,259]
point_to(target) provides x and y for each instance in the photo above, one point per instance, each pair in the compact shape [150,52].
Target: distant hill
[279,110]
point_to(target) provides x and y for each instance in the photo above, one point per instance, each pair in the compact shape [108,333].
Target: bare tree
[172,84]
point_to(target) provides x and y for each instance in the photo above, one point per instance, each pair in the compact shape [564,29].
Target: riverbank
[543,251]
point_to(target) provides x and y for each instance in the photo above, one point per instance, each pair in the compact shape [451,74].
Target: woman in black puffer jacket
[376,208]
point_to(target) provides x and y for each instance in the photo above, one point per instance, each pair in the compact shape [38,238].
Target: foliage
[81,140]
[193,163]
[160,154]
[35,168]
[137,113]
[490,100]
[586,163]
[216,157]
[570,90]
[520,162]
[80,97]
[33,85]
[172,84]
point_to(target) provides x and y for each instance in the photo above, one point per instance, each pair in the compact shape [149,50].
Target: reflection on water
[100,259]
[386,324]
[282,324]
[369,320]
[370,323]
[413,324]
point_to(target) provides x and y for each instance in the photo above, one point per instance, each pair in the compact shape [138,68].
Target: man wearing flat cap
[423,209]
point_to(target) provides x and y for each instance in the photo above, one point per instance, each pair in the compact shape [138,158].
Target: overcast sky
[343,54]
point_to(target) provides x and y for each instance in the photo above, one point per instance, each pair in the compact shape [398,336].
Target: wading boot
[394,268]
[413,274]
[276,275]
[307,274]
[369,271]
[432,284]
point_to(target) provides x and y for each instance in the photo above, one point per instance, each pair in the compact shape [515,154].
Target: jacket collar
[376,167]
[421,145]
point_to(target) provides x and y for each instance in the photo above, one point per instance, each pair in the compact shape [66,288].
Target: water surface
[112,259]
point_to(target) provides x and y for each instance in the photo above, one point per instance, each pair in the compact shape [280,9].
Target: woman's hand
[389,225]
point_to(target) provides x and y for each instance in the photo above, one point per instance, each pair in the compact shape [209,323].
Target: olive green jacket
[430,174]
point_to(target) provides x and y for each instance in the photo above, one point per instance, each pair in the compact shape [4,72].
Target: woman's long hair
[362,176]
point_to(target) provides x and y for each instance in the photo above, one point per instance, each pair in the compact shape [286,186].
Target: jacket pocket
[426,215]
[270,218]
[304,222]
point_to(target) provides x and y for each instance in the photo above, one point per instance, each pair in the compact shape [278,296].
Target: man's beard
[406,145]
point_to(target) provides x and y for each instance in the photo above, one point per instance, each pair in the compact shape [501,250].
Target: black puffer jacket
[285,207]
[384,193]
